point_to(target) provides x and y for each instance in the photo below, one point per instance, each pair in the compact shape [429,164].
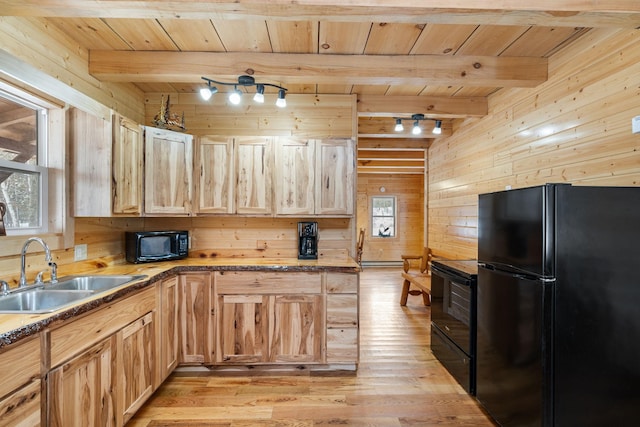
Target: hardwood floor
[398,381]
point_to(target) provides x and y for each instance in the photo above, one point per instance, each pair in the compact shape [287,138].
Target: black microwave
[150,246]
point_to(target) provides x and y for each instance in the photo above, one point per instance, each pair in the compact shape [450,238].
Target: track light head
[437,130]
[259,96]
[281,102]
[399,127]
[416,130]
[235,96]
[208,91]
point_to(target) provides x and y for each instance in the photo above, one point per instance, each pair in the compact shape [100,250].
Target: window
[383,216]
[23,172]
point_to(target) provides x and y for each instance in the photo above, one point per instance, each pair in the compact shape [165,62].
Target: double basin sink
[68,290]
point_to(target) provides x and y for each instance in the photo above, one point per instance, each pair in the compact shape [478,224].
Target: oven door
[452,307]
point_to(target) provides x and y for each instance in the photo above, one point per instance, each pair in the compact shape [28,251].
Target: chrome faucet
[47,258]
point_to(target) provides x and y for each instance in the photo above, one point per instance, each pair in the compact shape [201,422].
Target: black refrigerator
[558,315]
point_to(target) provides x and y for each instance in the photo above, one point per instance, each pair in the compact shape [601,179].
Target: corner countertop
[15,327]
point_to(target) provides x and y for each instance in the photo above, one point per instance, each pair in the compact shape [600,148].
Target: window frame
[55,220]
[374,231]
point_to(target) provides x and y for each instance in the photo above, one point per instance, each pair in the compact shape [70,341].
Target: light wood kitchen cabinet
[20,394]
[215,192]
[268,317]
[98,365]
[254,169]
[168,172]
[90,148]
[128,150]
[196,337]
[81,391]
[314,177]
[342,318]
[295,176]
[167,338]
[136,345]
[334,188]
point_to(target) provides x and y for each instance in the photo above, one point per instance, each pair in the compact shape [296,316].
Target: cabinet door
[295,166]
[168,338]
[215,180]
[128,146]
[195,319]
[22,407]
[242,333]
[334,177]
[254,160]
[81,391]
[168,170]
[90,141]
[295,328]
[136,381]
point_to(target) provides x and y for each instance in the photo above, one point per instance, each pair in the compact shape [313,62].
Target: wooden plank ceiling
[400,57]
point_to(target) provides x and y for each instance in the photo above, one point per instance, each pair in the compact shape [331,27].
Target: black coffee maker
[307,240]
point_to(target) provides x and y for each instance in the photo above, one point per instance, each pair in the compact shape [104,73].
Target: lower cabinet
[81,391]
[20,394]
[268,317]
[136,375]
[102,366]
[195,318]
[167,338]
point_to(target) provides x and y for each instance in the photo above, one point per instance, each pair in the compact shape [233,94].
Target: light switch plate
[635,124]
[80,252]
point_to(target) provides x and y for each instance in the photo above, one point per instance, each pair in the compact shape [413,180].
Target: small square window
[383,216]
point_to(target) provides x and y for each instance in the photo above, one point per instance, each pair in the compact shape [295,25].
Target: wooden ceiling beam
[430,106]
[610,13]
[145,66]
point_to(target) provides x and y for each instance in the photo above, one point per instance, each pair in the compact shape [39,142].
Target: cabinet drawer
[257,282]
[19,364]
[22,408]
[342,311]
[77,335]
[342,283]
[342,345]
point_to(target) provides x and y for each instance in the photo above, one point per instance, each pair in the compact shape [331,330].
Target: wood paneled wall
[575,128]
[409,191]
[52,52]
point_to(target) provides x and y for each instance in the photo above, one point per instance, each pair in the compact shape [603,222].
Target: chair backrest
[425,263]
[360,245]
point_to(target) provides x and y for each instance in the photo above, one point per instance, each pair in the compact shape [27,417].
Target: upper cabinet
[314,177]
[334,177]
[168,172]
[215,175]
[254,165]
[128,149]
[90,140]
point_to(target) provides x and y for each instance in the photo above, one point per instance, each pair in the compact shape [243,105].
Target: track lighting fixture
[416,129]
[235,96]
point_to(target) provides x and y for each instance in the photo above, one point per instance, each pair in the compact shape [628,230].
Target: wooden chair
[420,279]
[359,248]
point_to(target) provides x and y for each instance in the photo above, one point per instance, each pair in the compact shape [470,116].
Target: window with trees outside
[23,172]
[383,216]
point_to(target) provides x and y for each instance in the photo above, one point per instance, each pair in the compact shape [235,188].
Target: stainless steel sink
[96,283]
[40,300]
[68,290]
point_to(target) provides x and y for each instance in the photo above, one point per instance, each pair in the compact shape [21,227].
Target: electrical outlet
[80,252]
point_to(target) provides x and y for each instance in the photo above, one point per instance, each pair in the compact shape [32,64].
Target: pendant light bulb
[416,128]
[259,96]
[281,102]
[399,127]
[437,130]
[234,97]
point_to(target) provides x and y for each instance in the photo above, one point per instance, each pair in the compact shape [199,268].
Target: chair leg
[405,292]
[426,298]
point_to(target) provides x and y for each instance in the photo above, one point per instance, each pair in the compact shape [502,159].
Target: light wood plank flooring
[398,381]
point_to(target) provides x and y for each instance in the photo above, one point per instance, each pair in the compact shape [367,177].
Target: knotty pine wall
[409,193]
[574,128]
